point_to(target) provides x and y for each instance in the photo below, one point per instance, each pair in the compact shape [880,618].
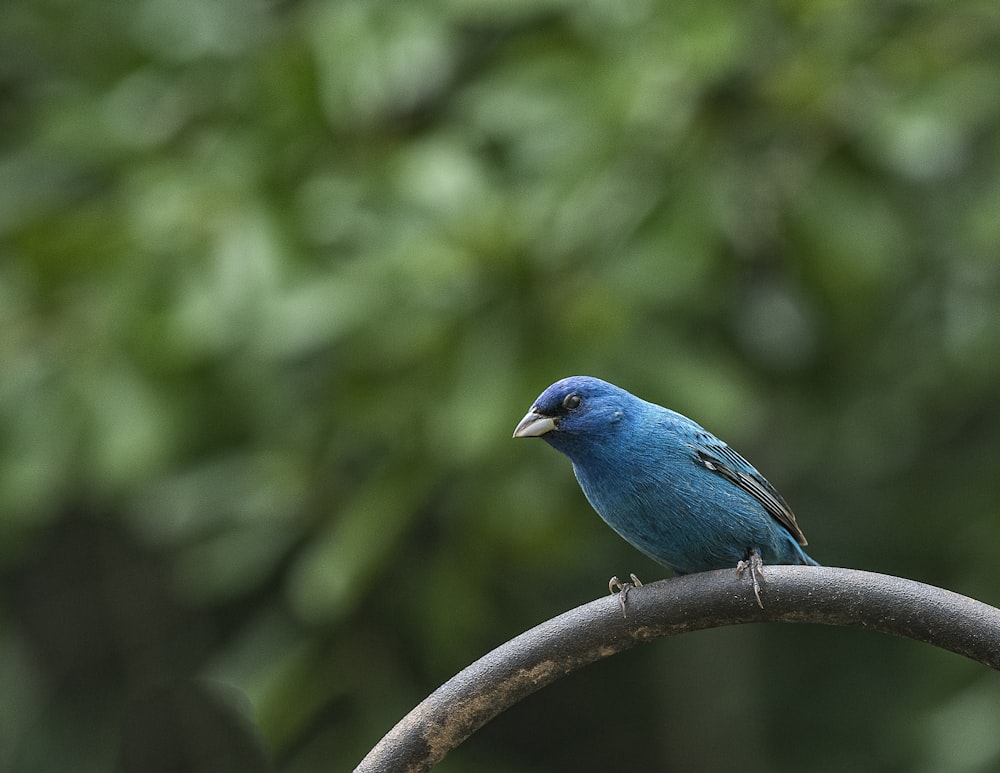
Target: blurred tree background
[277,279]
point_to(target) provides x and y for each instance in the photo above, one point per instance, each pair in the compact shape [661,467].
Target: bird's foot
[622,588]
[754,563]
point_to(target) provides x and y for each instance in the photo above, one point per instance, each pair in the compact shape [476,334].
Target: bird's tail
[800,554]
[805,558]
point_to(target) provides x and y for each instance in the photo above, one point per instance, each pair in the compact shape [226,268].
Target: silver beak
[534,425]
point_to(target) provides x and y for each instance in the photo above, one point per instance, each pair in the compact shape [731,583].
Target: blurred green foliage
[278,279]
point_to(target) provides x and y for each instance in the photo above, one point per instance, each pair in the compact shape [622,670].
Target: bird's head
[576,412]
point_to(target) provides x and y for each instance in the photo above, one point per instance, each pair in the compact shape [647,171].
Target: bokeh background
[277,279]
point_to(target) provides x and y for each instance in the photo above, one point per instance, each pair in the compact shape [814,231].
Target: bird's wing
[714,455]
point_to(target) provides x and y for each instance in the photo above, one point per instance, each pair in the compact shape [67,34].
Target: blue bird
[664,483]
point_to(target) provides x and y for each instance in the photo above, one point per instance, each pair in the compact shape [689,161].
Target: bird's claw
[622,588]
[755,565]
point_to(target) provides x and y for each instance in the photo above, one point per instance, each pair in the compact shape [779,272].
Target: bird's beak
[534,425]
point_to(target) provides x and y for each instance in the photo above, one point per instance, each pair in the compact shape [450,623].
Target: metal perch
[791,594]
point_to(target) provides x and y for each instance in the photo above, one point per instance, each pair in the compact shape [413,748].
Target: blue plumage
[664,483]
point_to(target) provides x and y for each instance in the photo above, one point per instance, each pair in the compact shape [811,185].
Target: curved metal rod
[791,594]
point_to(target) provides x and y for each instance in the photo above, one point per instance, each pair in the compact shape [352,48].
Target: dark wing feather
[716,456]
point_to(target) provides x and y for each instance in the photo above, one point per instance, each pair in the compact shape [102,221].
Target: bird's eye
[572,401]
